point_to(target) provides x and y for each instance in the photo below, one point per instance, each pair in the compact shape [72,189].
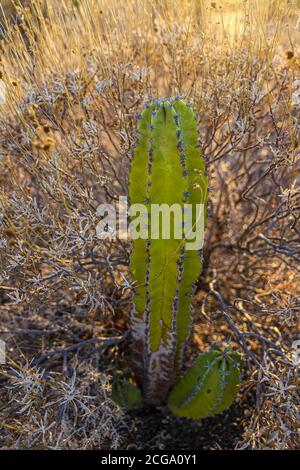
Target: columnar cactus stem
[167,169]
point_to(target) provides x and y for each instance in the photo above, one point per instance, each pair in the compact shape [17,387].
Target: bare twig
[106,343]
[238,334]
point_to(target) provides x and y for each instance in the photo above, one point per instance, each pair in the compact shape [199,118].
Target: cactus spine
[168,168]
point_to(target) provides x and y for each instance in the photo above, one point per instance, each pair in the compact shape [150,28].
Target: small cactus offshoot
[168,169]
[208,387]
[126,394]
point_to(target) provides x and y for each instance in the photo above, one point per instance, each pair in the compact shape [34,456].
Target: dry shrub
[47,410]
[74,76]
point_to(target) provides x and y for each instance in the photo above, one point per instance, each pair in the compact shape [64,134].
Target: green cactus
[126,394]
[168,169]
[208,387]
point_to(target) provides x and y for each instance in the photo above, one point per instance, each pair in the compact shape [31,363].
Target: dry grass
[74,75]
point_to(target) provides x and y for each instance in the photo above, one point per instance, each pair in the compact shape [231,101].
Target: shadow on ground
[157,429]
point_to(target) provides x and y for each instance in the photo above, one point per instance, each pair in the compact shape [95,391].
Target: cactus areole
[168,169]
